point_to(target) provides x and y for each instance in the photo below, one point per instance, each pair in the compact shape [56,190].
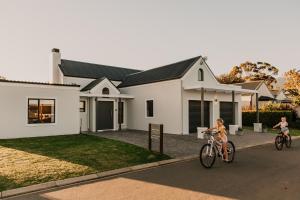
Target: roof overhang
[221,88]
[123,96]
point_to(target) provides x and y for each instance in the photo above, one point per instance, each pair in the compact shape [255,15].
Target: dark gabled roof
[92,84]
[252,85]
[94,71]
[38,83]
[164,73]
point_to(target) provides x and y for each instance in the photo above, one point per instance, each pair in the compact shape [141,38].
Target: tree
[234,76]
[2,77]
[292,85]
[249,71]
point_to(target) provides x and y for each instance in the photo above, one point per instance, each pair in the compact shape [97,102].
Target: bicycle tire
[279,142]
[288,141]
[213,157]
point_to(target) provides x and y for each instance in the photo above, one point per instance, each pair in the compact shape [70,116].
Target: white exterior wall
[167,107]
[56,76]
[78,81]
[214,97]
[14,110]
[84,116]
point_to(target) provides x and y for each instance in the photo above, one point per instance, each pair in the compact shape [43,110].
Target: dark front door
[226,111]
[195,115]
[104,115]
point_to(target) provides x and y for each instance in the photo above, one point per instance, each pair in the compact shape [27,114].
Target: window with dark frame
[41,111]
[200,75]
[121,112]
[149,108]
[105,90]
[82,106]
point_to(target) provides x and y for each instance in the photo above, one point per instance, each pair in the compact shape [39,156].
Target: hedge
[269,118]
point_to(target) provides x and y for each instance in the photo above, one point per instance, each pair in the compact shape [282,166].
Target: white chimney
[55,72]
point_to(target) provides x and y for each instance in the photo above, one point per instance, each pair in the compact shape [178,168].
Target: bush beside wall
[269,118]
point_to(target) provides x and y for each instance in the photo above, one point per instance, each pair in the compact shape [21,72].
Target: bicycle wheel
[288,141]
[279,142]
[230,151]
[207,156]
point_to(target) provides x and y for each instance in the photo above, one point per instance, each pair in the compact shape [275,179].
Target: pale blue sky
[145,34]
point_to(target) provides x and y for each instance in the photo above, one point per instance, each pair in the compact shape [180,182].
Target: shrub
[276,107]
[269,118]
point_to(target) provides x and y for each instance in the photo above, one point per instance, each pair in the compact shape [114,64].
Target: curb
[100,175]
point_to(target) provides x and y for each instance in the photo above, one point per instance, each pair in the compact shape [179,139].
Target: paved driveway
[258,173]
[184,145]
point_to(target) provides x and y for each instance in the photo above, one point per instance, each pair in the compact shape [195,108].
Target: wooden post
[149,138]
[257,108]
[119,116]
[233,107]
[161,139]
[202,107]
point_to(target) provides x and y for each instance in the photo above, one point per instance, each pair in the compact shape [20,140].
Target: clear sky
[145,34]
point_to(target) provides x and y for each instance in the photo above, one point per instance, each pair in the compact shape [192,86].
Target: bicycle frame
[213,142]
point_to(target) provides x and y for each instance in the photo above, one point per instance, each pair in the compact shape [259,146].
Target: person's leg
[225,151]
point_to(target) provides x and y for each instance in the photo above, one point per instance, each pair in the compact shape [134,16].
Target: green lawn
[293,132]
[35,160]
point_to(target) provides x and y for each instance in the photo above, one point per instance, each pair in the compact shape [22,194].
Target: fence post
[149,138]
[161,139]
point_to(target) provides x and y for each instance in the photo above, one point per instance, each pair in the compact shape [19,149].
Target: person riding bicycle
[283,126]
[221,136]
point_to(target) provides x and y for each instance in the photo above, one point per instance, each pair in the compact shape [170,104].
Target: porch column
[119,116]
[257,109]
[202,107]
[233,107]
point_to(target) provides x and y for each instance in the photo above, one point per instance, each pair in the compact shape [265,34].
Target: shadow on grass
[97,153]
[6,183]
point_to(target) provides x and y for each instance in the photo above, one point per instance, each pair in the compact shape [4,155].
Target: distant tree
[234,76]
[2,77]
[292,84]
[249,71]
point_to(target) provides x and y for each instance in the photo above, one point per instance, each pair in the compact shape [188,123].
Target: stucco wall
[167,106]
[14,110]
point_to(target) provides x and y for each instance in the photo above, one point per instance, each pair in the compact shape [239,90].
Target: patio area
[183,145]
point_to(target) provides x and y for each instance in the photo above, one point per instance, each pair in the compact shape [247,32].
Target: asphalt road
[257,173]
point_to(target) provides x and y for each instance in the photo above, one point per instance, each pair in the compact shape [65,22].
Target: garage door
[226,113]
[195,115]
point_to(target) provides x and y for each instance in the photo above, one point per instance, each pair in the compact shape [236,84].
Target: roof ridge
[162,66]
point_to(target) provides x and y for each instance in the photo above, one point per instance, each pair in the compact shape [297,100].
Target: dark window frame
[149,113]
[38,100]
[200,74]
[84,106]
[105,91]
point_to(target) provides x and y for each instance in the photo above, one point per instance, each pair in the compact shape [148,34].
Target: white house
[264,94]
[90,97]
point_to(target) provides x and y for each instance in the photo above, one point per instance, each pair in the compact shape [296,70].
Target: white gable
[263,90]
[281,96]
[105,84]
[191,77]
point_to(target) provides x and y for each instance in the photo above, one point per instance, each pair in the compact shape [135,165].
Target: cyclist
[283,126]
[221,136]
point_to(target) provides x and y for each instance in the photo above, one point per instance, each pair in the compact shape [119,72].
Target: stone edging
[91,177]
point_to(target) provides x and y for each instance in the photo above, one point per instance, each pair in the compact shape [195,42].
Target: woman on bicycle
[221,136]
[283,126]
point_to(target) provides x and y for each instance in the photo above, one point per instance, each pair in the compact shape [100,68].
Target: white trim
[30,85]
[149,117]
[123,96]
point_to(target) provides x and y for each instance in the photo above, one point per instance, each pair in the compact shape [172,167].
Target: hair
[220,120]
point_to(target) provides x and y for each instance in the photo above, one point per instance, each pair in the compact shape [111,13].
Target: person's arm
[276,125]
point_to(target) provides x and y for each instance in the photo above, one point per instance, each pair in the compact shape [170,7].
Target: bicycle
[282,139]
[208,151]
